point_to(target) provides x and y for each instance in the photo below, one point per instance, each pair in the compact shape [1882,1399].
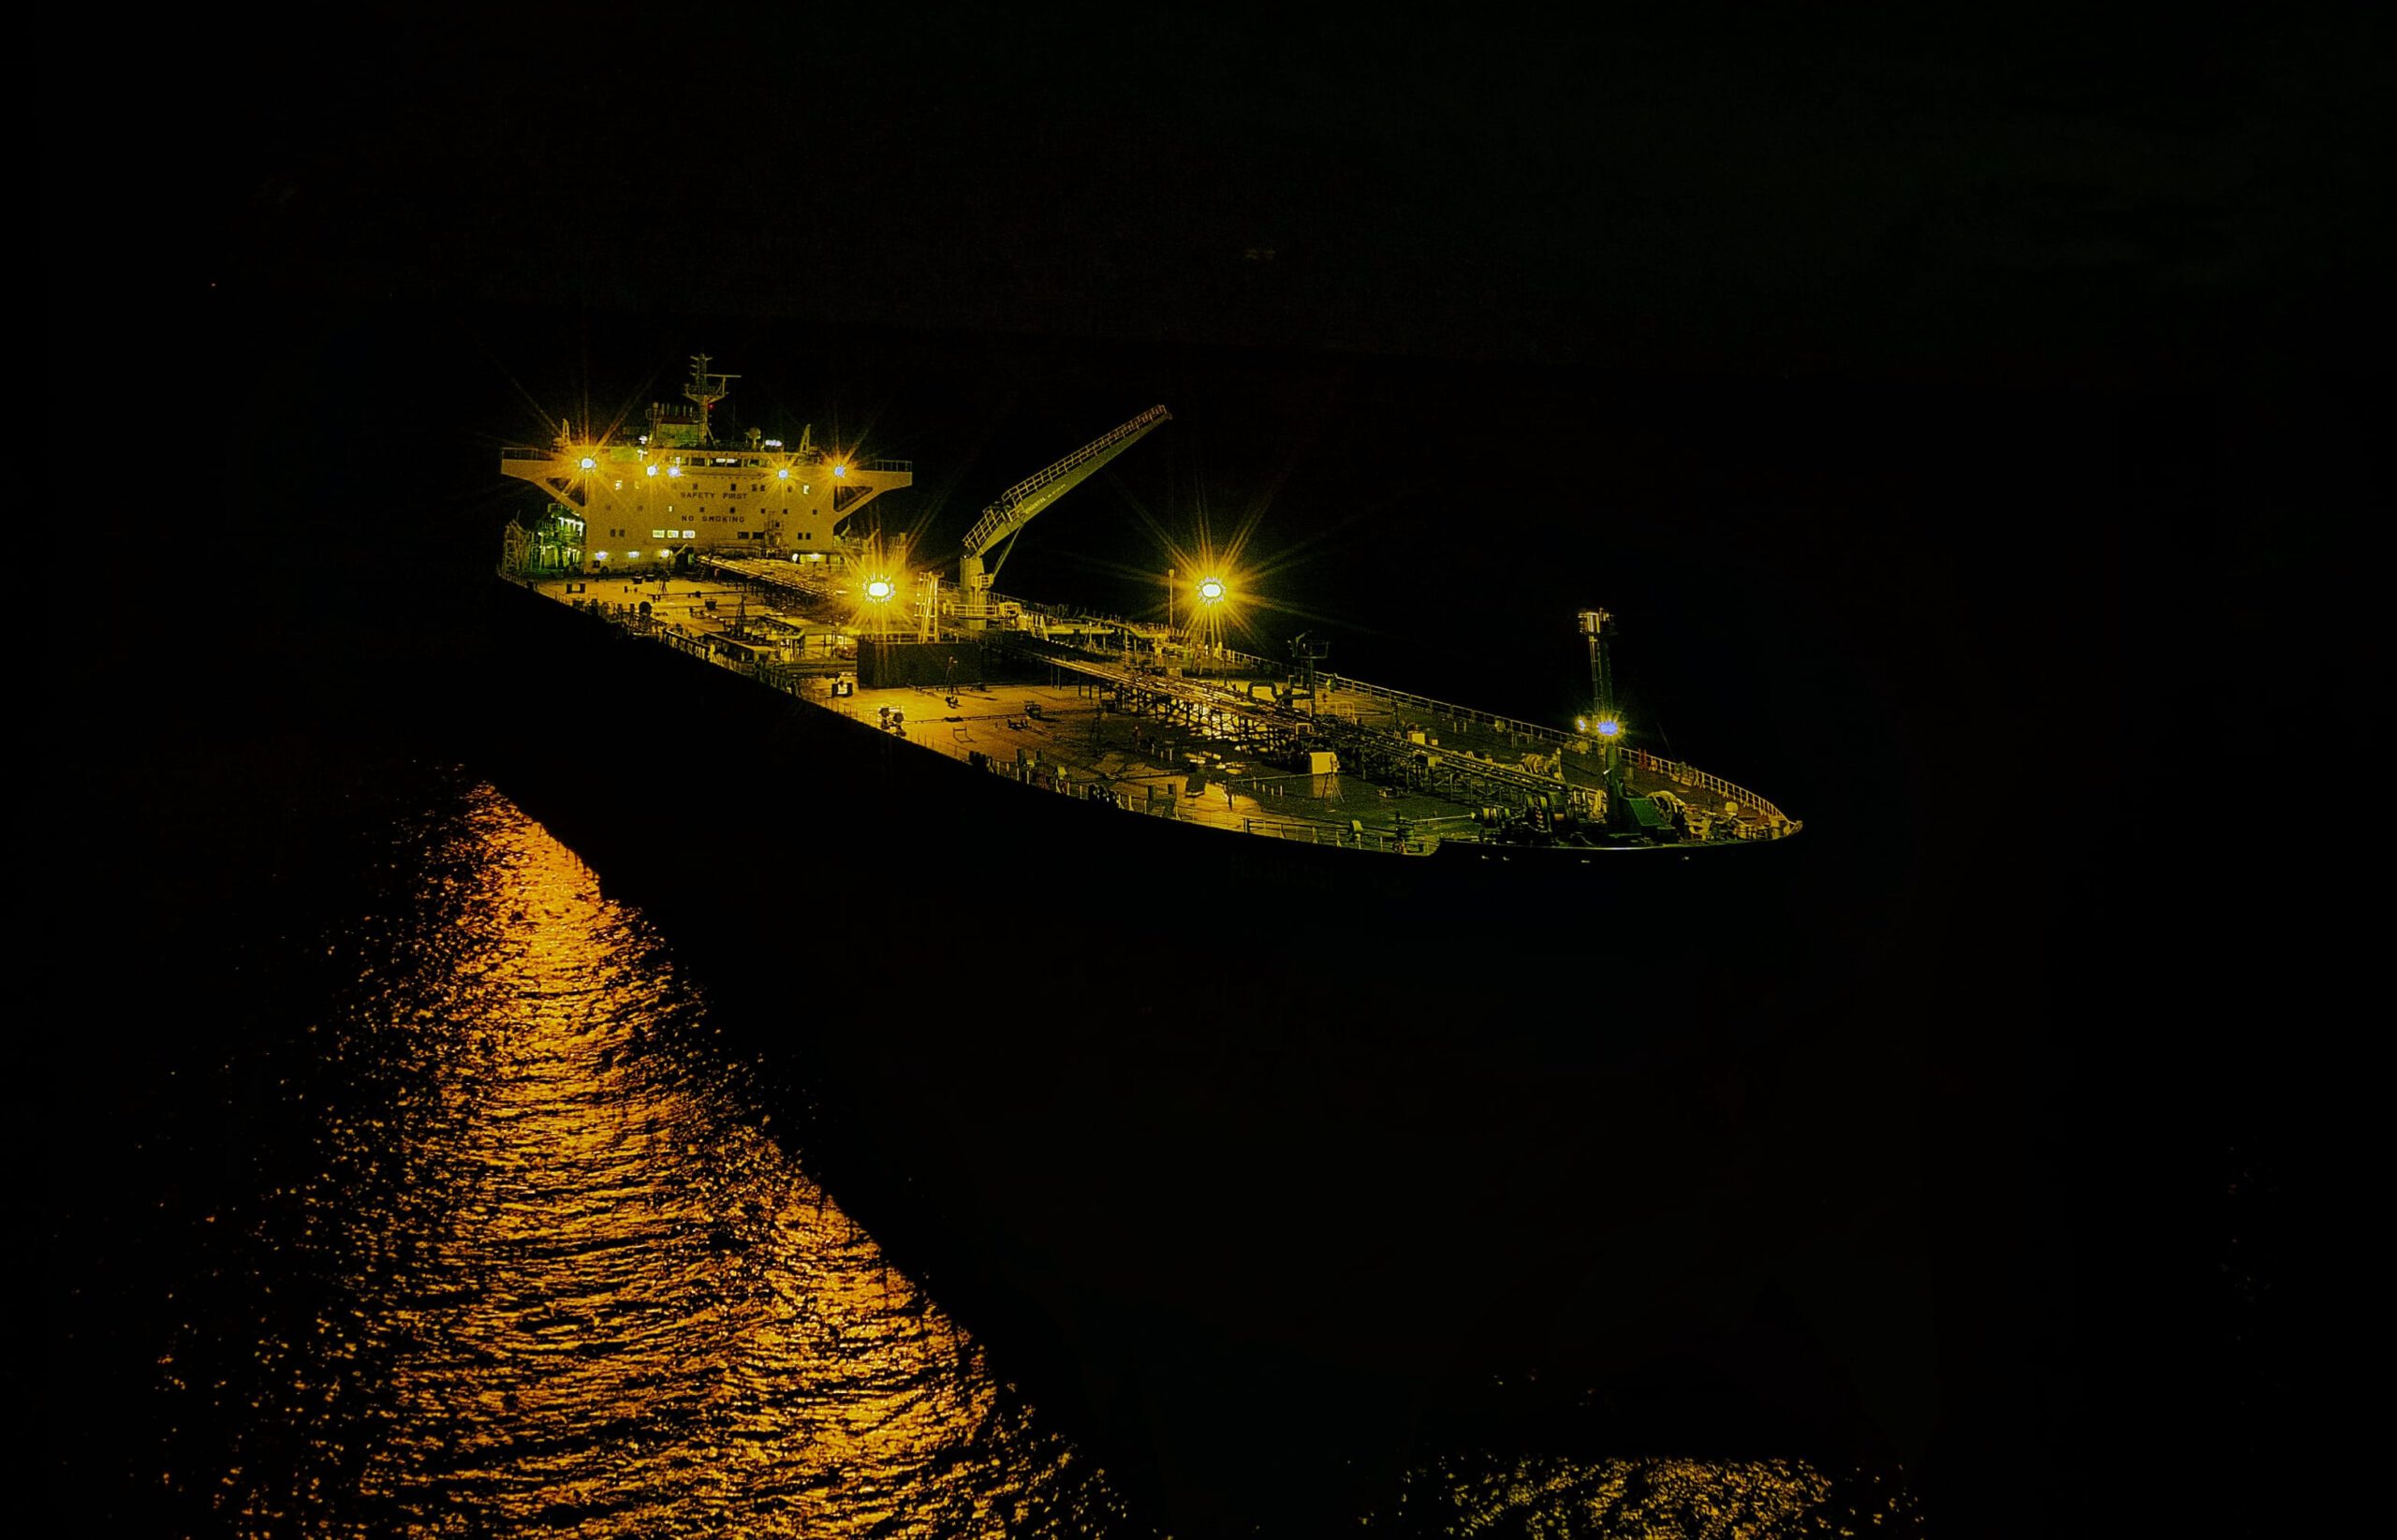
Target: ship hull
[629,745]
[1052,1036]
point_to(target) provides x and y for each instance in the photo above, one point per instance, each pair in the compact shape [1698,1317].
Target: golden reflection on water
[1687,1499]
[563,1284]
[552,1274]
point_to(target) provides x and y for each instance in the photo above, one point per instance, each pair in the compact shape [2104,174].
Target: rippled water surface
[561,1280]
[509,1240]
[1700,1500]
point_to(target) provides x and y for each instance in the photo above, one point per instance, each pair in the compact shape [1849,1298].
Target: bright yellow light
[632,556]
[589,464]
[599,555]
[675,470]
[783,475]
[880,589]
[1580,724]
[651,469]
[840,470]
[1608,726]
[1212,589]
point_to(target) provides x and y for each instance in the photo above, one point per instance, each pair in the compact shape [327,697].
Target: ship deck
[1194,743]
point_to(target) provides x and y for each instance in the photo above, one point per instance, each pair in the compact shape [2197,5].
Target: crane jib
[1019,503]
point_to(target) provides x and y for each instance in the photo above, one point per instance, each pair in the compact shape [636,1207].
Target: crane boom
[1004,520]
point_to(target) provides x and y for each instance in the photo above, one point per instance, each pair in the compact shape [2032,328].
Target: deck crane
[977,568]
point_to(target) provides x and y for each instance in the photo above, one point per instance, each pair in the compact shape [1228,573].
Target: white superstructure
[673,490]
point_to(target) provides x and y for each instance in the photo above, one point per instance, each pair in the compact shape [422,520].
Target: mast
[705,390]
[1598,626]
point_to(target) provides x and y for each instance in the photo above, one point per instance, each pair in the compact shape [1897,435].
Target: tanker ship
[917,687]
[1233,958]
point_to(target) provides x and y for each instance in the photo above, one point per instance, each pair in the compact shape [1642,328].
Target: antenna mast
[1598,626]
[705,390]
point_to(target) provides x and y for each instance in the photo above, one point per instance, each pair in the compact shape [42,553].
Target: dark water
[464,1216]
[552,1272]
[400,1175]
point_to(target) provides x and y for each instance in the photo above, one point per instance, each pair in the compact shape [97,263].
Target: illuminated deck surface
[1068,731]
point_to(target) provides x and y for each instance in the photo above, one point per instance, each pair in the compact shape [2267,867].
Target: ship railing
[1128,795]
[1690,775]
[1226,660]
[1341,836]
[1279,783]
[791,678]
[1452,714]
[802,577]
[1328,790]
[1675,770]
[689,642]
[1233,661]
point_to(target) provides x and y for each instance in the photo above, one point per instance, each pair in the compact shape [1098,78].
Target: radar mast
[705,390]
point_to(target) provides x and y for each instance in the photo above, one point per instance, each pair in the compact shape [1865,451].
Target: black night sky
[2029,341]
[2019,194]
